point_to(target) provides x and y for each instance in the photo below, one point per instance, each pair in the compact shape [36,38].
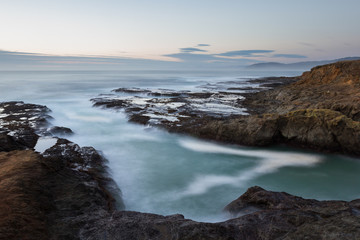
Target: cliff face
[320,111]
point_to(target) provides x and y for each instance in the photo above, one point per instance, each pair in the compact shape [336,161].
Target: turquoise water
[167,173]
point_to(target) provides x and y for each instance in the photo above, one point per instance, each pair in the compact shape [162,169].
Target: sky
[175,32]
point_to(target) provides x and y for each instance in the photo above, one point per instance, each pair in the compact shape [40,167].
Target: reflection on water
[167,173]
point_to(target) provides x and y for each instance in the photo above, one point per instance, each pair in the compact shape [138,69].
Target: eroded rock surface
[258,214]
[170,108]
[320,111]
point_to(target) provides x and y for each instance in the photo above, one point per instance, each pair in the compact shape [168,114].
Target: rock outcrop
[48,195]
[319,111]
[258,214]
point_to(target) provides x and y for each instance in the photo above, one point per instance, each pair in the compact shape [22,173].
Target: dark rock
[319,111]
[109,103]
[48,196]
[138,118]
[22,123]
[297,218]
[273,215]
[60,131]
[319,129]
[131,90]
[7,143]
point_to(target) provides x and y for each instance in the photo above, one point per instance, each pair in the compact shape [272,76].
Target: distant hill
[295,66]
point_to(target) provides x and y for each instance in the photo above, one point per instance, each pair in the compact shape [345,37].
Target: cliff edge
[320,111]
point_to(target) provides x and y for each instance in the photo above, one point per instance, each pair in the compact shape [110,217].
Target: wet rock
[319,129]
[260,214]
[166,108]
[285,216]
[109,103]
[131,90]
[319,111]
[7,143]
[60,131]
[53,194]
[138,118]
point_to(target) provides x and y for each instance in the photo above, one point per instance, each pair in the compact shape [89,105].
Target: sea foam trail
[88,118]
[270,161]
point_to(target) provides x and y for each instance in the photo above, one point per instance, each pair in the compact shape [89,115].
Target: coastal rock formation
[258,214]
[170,108]
[64,193]
[320,111]
[320,129]
[47,195]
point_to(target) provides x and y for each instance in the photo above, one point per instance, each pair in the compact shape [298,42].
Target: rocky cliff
[320,111]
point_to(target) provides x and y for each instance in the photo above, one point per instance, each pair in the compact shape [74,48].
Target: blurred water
[167,173]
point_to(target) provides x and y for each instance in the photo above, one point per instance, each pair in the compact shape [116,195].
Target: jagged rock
[319,129]
[166,108]
[259,214]
[304,218]
[320,111]
[50,195]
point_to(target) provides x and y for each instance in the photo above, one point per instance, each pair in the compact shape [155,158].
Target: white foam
[270,161]
[140,101]
[218,108]
[141,137]
[156,116]
[87,118]
[44,143]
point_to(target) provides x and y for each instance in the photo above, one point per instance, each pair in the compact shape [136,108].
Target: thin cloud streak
[244,53]
[288,56]
[192,49]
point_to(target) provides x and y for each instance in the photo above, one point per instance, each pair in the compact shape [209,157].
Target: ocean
[165,173]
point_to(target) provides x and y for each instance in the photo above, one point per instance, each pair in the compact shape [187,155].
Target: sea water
[165,173]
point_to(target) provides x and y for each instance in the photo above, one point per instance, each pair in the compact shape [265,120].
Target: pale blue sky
[282,30]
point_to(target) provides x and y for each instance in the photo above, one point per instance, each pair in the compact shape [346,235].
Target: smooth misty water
[167,173]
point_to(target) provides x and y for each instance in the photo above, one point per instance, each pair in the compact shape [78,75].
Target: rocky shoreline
[318,110]
[50,194]
[65,192]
